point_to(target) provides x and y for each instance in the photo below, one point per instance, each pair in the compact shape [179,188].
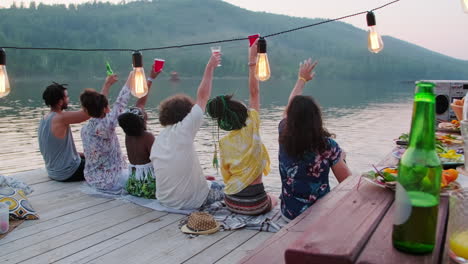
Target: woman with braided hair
[244,158]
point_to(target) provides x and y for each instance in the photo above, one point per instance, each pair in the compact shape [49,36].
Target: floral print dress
[105,166]
[304,180]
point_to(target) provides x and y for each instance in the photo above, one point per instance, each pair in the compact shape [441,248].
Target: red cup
[158,65]
[252,39]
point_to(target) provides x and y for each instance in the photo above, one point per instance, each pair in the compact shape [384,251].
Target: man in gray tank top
[62,161]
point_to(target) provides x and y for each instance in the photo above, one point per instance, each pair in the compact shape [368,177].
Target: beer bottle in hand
[419,175]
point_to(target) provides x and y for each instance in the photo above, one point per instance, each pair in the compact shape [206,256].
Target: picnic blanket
[269,222]
[6,181]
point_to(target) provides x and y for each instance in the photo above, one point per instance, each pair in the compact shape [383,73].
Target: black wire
[209,42]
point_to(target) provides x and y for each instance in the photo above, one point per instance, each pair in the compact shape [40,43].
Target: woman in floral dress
[106,168]
[306,151]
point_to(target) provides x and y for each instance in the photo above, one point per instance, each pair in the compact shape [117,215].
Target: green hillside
[340,47]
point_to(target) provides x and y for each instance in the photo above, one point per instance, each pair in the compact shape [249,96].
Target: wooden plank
[120,241]
[95,238]
[50,206]
[222,247]
[168,245]
[340,234]
[245,249]
[32,176]
[37,227]
[50,186]
[379,249]
[272,250]
[25,248]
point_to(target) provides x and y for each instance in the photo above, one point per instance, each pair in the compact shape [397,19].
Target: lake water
[365,116]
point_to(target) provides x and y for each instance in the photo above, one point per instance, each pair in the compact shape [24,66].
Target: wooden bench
[348,225]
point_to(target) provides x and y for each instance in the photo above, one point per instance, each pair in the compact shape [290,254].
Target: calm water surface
[365,116]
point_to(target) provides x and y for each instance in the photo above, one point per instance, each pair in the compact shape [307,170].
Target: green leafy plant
[145,187]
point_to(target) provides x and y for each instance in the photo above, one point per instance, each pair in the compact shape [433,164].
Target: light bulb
[4,82]
[262,71]
[263,67]
[465,5]
[138,85]
[374,40]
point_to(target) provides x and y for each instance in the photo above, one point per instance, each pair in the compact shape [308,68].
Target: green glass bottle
[419,175]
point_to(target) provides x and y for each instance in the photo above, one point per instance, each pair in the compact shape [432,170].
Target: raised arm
[204,90]
[72,117]
[110,80]
[254,90]
[305,74]
[141,102]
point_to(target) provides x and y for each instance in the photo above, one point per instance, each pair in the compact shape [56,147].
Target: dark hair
[54,93]
[304,129]
[132,124]
[174,109]
[230,114]
[93,102]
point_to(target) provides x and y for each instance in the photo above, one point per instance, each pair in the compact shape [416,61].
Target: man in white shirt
[181,183]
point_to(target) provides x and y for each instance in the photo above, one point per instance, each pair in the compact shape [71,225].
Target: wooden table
[349,225]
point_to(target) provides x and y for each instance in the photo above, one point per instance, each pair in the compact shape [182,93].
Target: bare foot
[274,200]
[210,178]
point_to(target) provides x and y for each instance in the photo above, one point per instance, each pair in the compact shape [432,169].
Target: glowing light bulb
[4,82]
[262,71]
[465,5]
[374,40]
[138,85]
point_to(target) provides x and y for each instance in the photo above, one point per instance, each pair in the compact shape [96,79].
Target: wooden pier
[75,227]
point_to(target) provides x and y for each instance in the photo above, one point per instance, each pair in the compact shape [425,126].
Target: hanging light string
[209,42]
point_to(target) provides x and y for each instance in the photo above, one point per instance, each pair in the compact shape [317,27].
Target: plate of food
[444,141]
[450,127]
[448,157]
[387,178]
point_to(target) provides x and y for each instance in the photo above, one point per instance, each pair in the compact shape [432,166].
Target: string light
[465,5]
[138,85]
[4,82]
[262,71]
[209,42]
[374,41]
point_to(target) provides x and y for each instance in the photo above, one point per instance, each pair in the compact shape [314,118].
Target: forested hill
[340,48]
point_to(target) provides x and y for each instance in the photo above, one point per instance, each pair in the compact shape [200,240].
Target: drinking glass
[457,233]
[216,50]
[4,218]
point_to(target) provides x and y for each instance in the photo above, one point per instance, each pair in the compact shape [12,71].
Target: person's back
[139,148]
[181,183]
[105,165]
[62,161]
[180,179]
[138,142]
[244,157]
[306,151]
[60,155]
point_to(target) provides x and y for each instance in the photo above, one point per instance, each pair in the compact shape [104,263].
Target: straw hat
[200,223]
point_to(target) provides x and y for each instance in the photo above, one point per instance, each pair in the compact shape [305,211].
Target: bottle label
[403,205]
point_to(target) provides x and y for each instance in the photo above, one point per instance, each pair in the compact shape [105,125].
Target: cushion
[20,208]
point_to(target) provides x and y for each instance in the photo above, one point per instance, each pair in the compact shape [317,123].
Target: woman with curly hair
[307,151]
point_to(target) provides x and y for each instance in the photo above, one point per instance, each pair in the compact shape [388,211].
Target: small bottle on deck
[419,176]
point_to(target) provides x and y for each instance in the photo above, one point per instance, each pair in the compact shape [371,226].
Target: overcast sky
[439,25]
